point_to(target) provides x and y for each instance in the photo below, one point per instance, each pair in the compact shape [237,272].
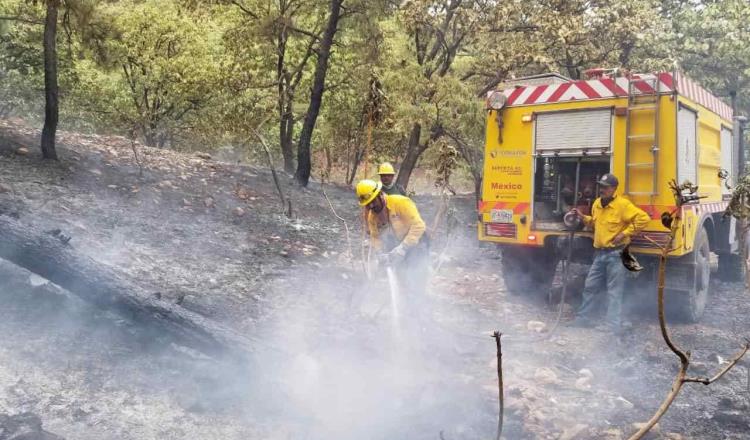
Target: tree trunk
[149,135]
[329,162]
[286,130]
[413,151]
[348,158]
[285,97]
[473,157]
[304,164]
[47,256]
[50,81]
[359,154]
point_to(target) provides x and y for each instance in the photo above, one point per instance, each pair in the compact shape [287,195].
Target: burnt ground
[330,363]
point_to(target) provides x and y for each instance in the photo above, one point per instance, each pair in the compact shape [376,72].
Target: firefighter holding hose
[614,219]
[397,232]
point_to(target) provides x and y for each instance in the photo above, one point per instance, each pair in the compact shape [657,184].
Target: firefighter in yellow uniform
[387,177]
[615,220]
[397,232]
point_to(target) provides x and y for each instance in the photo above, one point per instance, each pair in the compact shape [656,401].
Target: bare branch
[273,172]
[684,356]
[447,21]
[674,391]
[346,225]
[723,371]
[244,8]
[313,35]
[520,28]
[300,68]
[20,19]
[501,399]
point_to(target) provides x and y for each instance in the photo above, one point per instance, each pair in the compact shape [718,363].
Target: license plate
[501,216]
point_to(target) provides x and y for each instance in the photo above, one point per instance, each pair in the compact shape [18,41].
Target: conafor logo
[498,185]
[507,153]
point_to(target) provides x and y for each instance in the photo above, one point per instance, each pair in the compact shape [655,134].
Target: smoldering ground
[316,374]
[358,372]
[91,374]
[329,363]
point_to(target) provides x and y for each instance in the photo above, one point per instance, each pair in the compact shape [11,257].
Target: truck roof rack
[534,80]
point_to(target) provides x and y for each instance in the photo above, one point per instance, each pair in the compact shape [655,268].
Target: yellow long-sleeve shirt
[619,216]
[404,223]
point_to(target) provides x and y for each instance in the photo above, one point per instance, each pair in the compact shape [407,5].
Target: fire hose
[565,273]
[568,257]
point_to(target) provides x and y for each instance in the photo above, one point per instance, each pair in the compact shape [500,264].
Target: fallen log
[27,426]
[52,258]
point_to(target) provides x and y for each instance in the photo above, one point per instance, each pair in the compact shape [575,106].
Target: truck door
[687,153]
[574,131]
[570,147]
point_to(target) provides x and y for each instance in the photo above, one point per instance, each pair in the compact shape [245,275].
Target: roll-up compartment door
[687,153]
[574,131]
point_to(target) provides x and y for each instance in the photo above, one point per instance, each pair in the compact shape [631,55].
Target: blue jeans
[608,269]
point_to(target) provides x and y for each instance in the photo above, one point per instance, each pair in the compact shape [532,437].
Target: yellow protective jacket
[621,215]
[404,222]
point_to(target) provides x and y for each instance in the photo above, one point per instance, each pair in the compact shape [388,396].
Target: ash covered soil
[330,362]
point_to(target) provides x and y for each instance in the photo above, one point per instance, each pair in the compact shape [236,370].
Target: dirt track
[328,366]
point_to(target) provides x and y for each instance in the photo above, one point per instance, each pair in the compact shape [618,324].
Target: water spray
[393,285]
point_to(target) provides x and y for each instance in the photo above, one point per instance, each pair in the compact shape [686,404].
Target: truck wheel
[528,271]
[731,267]
[691,304]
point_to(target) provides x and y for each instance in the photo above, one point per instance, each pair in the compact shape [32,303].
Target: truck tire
[731,267]
[528,271]
[688,306]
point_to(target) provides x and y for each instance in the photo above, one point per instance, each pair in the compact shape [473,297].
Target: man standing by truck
[614,220]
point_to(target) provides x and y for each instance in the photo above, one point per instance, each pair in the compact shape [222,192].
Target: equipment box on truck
[548,144]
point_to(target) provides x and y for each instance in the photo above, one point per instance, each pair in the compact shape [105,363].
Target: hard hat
[386,168]
[367,190]
[608,180]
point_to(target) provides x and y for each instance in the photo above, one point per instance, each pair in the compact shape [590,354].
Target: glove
[394,256]
[397,254]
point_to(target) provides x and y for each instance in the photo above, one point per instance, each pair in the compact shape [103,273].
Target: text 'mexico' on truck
[549,140]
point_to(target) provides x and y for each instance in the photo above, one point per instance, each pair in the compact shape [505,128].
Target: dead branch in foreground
[346,225]
[739,208]
[286,205]
[442,215]
[684,356]
[135,153]
[501,400]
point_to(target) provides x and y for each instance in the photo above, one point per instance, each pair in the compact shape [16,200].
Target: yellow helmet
[386,168]
[367,190]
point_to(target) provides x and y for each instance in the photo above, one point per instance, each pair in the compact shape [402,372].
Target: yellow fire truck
[549,139]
